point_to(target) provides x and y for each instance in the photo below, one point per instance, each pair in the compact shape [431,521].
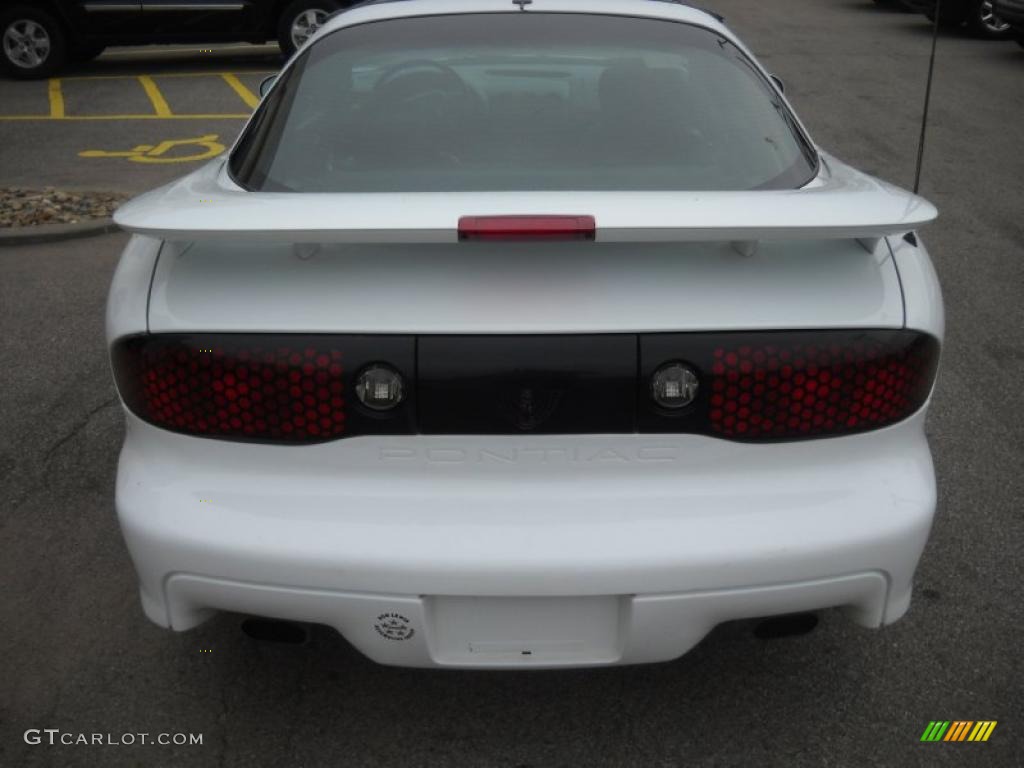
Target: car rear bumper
[525,551]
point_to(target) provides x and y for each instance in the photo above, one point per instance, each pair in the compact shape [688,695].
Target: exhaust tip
[791,625]
[275,631]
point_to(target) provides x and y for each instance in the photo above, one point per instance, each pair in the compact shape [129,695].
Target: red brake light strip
[505,228]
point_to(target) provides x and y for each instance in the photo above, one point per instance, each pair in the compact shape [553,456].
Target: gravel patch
[20,207]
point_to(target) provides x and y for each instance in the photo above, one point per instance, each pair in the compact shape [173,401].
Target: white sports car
[525,334]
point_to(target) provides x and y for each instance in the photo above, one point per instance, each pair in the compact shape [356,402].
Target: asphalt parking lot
[133,119]
[77,654]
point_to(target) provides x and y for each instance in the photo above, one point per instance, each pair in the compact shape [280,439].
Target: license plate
[525,631]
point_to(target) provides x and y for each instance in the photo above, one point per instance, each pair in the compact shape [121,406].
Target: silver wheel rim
[988,17]
[306,24]
[26,43]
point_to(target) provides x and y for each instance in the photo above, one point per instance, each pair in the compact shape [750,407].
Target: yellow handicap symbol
[150,153]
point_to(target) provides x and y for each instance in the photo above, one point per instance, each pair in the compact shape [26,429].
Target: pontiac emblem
[529,407]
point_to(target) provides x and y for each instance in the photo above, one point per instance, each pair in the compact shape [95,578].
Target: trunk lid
[469,288]
[815,257]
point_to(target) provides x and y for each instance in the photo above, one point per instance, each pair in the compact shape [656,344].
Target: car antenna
[927,97]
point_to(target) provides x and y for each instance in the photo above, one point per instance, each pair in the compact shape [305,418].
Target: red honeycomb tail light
[268,388]
[803,389]
[256,390]
[791,385]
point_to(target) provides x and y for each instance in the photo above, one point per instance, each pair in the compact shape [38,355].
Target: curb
[53,233]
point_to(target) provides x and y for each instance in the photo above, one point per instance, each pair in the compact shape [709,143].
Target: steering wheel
[391,74]
[416,79]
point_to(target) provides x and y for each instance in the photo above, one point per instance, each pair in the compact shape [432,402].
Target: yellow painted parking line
[56,99]
[160,105]
[161,109]
[250,98]
[214,74]
[71,118]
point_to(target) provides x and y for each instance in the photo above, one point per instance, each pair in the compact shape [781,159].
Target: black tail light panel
[300,389]
[565,384]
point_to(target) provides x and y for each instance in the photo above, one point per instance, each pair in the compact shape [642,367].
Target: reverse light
[527,228]
[674,386]
[380,387]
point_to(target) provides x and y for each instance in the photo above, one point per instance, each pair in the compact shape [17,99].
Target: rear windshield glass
[522,101]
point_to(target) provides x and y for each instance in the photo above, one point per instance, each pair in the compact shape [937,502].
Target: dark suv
[979,17]
[41,36]
[1012,12]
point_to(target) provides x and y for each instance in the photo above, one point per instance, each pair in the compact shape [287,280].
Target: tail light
[793,385]
[260,387]
[301,389]
[812,388]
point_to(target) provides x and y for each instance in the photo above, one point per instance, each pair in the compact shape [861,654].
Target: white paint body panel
[523,288]
[524,551]
[922,294]
[128,300]
[688,531]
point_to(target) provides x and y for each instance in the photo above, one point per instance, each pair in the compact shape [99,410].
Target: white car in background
[525,334]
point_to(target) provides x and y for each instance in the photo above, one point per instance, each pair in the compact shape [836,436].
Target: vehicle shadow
[890,6]
[156,60]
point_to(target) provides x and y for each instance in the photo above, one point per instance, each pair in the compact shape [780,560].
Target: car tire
[32,42]
[982,21]
[300,20]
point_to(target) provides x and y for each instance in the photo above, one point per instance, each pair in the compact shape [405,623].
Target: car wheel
[32,42]
[300,20]
[983,22]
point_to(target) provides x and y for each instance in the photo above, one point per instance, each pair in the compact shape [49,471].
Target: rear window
[524,102]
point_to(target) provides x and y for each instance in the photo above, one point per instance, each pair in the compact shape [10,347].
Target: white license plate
[525,631]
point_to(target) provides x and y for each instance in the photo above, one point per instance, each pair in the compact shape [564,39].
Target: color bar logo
[958,730]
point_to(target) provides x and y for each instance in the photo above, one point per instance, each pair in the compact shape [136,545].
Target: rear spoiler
[842,203]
